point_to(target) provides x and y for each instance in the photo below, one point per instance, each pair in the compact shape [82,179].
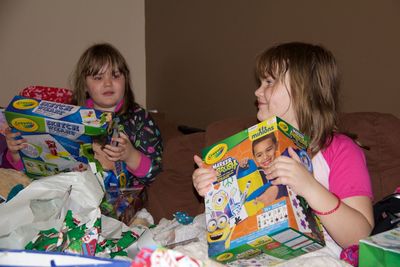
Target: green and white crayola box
[245,214]
[382,249]
[59,136]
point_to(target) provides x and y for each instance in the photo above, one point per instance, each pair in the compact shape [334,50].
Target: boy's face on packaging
[264,153]
[273,99]
[106,88]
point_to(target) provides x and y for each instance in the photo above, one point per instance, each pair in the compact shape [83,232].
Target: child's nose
[268,156]
[258,92]
[107,80]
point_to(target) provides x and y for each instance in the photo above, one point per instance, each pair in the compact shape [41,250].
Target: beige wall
[200,54]
[41,40]
[197,64]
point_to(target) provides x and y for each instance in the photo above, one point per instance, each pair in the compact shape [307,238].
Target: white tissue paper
[43,204]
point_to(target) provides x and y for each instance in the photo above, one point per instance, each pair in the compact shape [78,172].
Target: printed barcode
[312,247]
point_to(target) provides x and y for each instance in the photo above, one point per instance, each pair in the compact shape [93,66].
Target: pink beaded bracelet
[329,211]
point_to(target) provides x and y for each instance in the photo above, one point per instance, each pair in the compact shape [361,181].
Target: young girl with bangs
[101,80]
[299,83]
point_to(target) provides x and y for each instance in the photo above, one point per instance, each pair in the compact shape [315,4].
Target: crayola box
[382,249]
[59,136]
[245,214]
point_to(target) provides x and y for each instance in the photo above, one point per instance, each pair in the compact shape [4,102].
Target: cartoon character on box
[218,233]
[219,226]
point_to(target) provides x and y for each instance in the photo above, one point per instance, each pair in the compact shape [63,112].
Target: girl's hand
[102,157]
[290,171]
[14,145]
[203,177]
[123,151]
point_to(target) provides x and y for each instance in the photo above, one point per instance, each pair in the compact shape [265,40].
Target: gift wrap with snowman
[58,136]
[245,214]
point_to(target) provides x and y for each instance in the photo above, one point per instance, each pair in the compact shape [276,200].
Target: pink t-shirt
[348,173]
[342,169]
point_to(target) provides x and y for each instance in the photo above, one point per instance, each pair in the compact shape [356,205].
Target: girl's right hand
[14,145]
[101,156]
[203,177]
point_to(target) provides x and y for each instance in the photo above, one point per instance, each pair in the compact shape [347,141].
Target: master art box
[245,214]
[59,136]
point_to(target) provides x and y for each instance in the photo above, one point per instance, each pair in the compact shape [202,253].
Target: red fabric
[350,255]
[55,94]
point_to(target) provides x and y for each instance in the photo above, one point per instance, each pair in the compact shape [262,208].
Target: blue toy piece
[14,191]
[183,218]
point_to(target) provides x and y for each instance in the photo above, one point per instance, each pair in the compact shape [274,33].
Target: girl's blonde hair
[91,63]
[314,84]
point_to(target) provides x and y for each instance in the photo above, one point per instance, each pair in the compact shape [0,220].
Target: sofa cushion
[222,129]
[379,132]
[168,129]
[173,189]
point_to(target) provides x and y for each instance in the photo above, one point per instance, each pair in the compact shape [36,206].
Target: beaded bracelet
[329,211]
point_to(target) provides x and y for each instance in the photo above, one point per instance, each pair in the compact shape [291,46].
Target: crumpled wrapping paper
[170,231]
[44,203]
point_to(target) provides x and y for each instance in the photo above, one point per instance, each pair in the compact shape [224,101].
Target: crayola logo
[283,126]
[216,153]
[25,104]
[24,124]
[225,256]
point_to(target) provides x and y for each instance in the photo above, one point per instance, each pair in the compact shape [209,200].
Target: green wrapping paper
[78,238]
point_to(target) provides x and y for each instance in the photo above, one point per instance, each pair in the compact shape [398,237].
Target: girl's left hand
[123,151]
[290,171]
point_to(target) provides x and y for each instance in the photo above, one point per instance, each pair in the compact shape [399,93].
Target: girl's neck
[91,104]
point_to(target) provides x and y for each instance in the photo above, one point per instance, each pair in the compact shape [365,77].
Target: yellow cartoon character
[218,226]
[218,233]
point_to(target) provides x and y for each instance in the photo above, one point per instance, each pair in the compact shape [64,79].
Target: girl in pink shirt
[299,83]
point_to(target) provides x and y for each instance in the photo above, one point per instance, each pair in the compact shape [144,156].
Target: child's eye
[117,74]
[269,81]
[97,77]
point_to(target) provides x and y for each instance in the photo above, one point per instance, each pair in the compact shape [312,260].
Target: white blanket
[170,232]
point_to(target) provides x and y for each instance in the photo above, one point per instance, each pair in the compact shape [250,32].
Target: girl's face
[106,88]
[274,99]
[264,152]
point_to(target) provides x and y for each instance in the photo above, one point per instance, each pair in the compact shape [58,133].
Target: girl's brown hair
[314,84]
[91,63]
